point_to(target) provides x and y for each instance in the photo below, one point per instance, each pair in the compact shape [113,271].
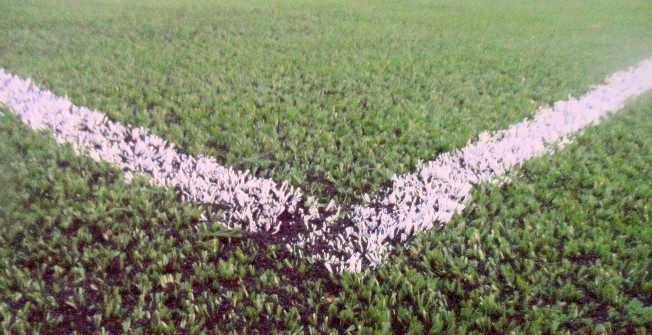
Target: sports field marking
[344,236]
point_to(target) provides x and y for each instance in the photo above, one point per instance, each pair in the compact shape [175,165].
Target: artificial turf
[563,248]
[334,96]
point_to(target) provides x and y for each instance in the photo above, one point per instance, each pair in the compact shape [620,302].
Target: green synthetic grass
[564,248]
[333,96]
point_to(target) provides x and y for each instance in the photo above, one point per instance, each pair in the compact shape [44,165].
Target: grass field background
[564,248]
[335,97]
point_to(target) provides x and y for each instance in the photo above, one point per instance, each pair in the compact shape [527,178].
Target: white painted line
[345,237]
[430,197]
[252,203]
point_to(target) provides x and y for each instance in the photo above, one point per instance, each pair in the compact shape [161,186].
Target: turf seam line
[349,237]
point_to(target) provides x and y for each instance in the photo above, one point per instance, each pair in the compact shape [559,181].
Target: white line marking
[345,237]
[253,203]
[430,197]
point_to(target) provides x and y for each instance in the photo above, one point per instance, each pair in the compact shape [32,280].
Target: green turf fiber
[564,248]
[333,96]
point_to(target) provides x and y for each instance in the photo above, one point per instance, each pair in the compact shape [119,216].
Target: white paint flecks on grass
[344,237]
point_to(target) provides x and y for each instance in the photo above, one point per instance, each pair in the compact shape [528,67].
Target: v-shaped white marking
[345,237]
